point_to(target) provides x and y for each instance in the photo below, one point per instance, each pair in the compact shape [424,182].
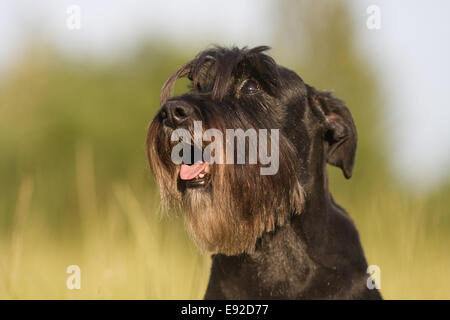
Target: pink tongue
[189,172]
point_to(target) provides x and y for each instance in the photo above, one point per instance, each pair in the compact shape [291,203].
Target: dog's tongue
[189,172]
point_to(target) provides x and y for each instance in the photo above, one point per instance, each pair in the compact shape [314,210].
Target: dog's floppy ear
[340,136]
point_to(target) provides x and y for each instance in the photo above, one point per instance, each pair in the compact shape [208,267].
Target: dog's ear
[340,135]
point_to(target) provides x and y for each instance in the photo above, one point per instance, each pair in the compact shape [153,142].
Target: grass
[408,243]
[126,250]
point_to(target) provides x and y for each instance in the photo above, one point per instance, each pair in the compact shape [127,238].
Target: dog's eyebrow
[190,70]
[167,87]
[225,61]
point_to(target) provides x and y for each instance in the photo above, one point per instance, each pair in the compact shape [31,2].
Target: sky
[411,52]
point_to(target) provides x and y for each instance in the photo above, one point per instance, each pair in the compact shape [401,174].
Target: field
[126,250]
[75,188]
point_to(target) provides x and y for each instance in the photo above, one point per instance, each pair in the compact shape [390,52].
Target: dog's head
[238,151]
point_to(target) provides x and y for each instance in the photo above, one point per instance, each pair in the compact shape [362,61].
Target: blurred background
[80,82]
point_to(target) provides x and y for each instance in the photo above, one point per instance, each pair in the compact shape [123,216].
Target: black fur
[282,236]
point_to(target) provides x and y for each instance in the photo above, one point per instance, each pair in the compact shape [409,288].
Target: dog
[272,236]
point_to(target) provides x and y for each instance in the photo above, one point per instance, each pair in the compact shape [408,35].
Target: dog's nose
[174,113]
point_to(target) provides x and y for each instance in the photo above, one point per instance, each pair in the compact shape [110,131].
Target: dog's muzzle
[175,114]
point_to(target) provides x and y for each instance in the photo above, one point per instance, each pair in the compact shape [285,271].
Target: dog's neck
[315,255]
[286,256]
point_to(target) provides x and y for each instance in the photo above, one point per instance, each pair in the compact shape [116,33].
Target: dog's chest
[282,266]
[279,269]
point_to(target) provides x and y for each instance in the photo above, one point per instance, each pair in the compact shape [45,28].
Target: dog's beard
[222,224]
[237,206]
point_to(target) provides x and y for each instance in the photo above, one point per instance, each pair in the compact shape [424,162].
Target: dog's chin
[209,224]
[196,197]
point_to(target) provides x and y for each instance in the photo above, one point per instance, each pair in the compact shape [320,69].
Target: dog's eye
[249,86]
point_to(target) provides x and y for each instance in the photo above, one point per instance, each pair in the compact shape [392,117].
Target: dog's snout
[174,113]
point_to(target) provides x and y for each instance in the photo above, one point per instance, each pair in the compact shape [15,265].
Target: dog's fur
[274,236]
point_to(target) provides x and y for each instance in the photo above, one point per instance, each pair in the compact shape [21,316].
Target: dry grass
[126,251]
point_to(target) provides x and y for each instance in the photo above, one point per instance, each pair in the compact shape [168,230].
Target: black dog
[278,236]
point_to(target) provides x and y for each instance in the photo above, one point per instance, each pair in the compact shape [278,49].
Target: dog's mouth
[195,175]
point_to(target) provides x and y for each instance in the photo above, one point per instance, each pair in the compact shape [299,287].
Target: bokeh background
[75,187]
